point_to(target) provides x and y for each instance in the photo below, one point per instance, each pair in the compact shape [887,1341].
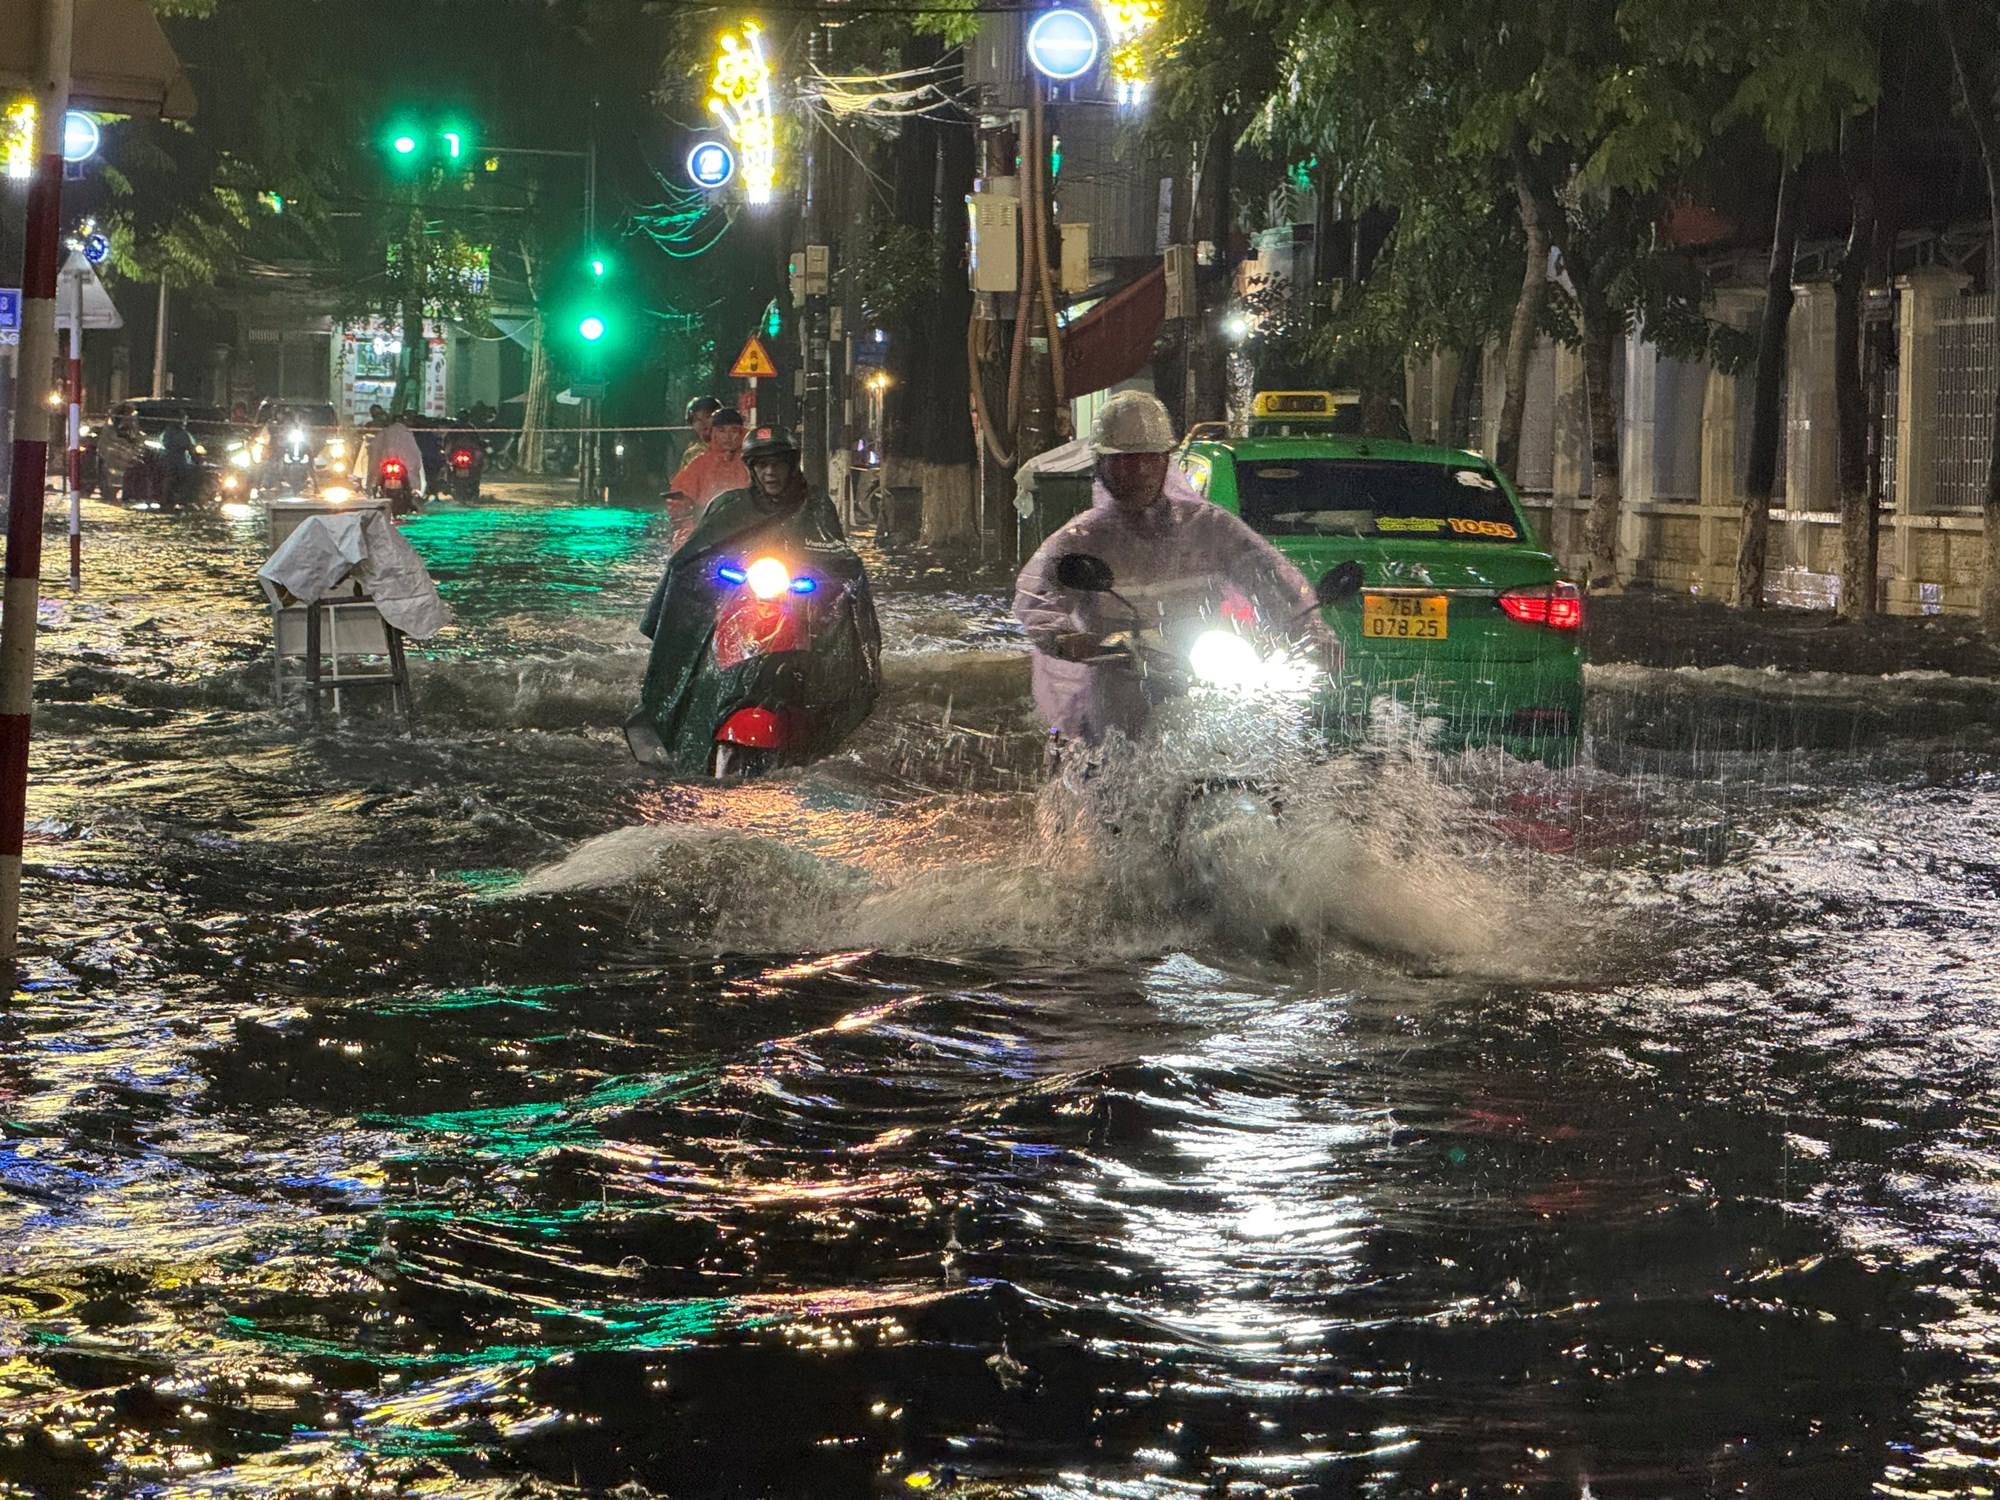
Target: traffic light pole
[26,497]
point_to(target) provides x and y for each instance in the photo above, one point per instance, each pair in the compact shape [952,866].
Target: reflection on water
[461,1112]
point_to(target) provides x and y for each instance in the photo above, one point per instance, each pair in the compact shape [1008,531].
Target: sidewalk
[1673,630]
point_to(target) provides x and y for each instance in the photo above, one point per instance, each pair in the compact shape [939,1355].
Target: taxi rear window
[1371,497]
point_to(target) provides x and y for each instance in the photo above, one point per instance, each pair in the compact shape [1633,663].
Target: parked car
[1464,625]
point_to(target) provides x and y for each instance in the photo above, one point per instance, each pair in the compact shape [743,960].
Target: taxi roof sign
[1301,403]
[754,363]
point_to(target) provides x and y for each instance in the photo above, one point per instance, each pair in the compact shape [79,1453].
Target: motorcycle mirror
[1338,584]
[1084,573]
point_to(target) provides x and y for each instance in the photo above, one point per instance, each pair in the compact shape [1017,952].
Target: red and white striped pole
[21,595]
[75,385]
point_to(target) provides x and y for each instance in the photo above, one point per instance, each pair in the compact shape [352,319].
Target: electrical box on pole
[996,241]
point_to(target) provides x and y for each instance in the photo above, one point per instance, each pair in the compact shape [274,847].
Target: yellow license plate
[1403,617]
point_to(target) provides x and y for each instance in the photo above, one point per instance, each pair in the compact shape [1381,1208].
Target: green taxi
[1464,632]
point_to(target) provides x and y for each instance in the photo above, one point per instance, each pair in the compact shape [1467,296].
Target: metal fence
[1966,375]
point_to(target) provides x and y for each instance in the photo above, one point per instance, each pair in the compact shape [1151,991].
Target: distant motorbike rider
[685,693]
[1174,555]
[716,470]
[392,439]
[700,415]
[179,471]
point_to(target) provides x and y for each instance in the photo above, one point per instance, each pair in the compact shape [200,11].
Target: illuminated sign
[80,137]
[1062,44]
[710,165]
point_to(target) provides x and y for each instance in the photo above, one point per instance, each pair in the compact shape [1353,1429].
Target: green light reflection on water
[459,541]
[651,1325]
[516,1130]
[524,997]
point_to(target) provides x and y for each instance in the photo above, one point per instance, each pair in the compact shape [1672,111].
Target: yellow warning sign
[754,363]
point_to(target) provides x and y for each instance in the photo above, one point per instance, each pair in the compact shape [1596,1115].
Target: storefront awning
[1114,340]
[120,64]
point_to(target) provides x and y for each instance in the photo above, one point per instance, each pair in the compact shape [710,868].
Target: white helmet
[1133,422]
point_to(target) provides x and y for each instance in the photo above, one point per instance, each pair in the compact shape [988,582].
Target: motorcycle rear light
[1559,606]
[462,459]
[392,468]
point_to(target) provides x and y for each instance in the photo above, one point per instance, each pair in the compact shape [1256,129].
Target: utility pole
[160,342]
[22,594]
[818,287]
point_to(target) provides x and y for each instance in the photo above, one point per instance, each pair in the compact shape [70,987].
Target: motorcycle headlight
[239,457]
[768,578]
[201,450]
[336,447]
[156,445]
[1222,658]
[296,436]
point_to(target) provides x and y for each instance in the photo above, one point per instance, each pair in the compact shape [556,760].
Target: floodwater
[463,1112]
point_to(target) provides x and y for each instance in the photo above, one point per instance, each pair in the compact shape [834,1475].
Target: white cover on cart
[327,549]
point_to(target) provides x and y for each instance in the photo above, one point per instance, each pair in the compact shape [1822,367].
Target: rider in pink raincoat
[1176,559]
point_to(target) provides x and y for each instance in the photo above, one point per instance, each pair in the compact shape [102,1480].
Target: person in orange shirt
[716,470]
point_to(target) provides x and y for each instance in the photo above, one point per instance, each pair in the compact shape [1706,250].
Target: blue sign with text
[10,307]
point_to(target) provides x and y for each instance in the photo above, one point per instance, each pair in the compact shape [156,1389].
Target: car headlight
[156,445]
[239,457]
[1222,658]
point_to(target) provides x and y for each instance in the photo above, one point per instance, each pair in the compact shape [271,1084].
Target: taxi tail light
[1559,606]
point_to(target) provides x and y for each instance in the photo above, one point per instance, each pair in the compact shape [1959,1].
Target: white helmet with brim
[1133,422]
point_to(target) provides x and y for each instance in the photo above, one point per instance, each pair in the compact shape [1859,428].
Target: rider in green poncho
[824,668]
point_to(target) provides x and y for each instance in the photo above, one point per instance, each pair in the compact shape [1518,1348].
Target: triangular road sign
[98,312]
[754,363]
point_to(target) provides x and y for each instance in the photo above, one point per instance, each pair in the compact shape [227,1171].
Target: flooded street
[465,1111]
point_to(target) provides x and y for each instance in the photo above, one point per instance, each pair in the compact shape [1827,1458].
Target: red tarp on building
[1114,340]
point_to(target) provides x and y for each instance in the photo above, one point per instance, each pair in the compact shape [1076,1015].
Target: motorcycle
[766,656]
[1214,810]
[392,483]
[292,469]
[767,622]
[463,473]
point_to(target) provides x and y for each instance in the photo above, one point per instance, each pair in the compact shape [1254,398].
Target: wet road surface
[464,1112]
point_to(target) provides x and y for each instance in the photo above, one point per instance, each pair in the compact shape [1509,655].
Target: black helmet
[701,405]
[769,442]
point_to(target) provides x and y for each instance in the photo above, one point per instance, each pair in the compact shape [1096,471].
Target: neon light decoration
[740,96]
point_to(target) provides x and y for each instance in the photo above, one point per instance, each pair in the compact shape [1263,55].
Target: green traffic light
[597,268]
[405,145]
[773,320]
[592,329]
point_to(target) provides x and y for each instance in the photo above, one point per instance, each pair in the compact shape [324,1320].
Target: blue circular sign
[1062,44]
[80,137]
[95,248]
[711,164]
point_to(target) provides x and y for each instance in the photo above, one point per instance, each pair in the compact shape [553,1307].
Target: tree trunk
[1600,353]
[1458,432]
[1208,353]
[1985,129]
[1765,425]
[1859,519]
[1537,224]
[943,431]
